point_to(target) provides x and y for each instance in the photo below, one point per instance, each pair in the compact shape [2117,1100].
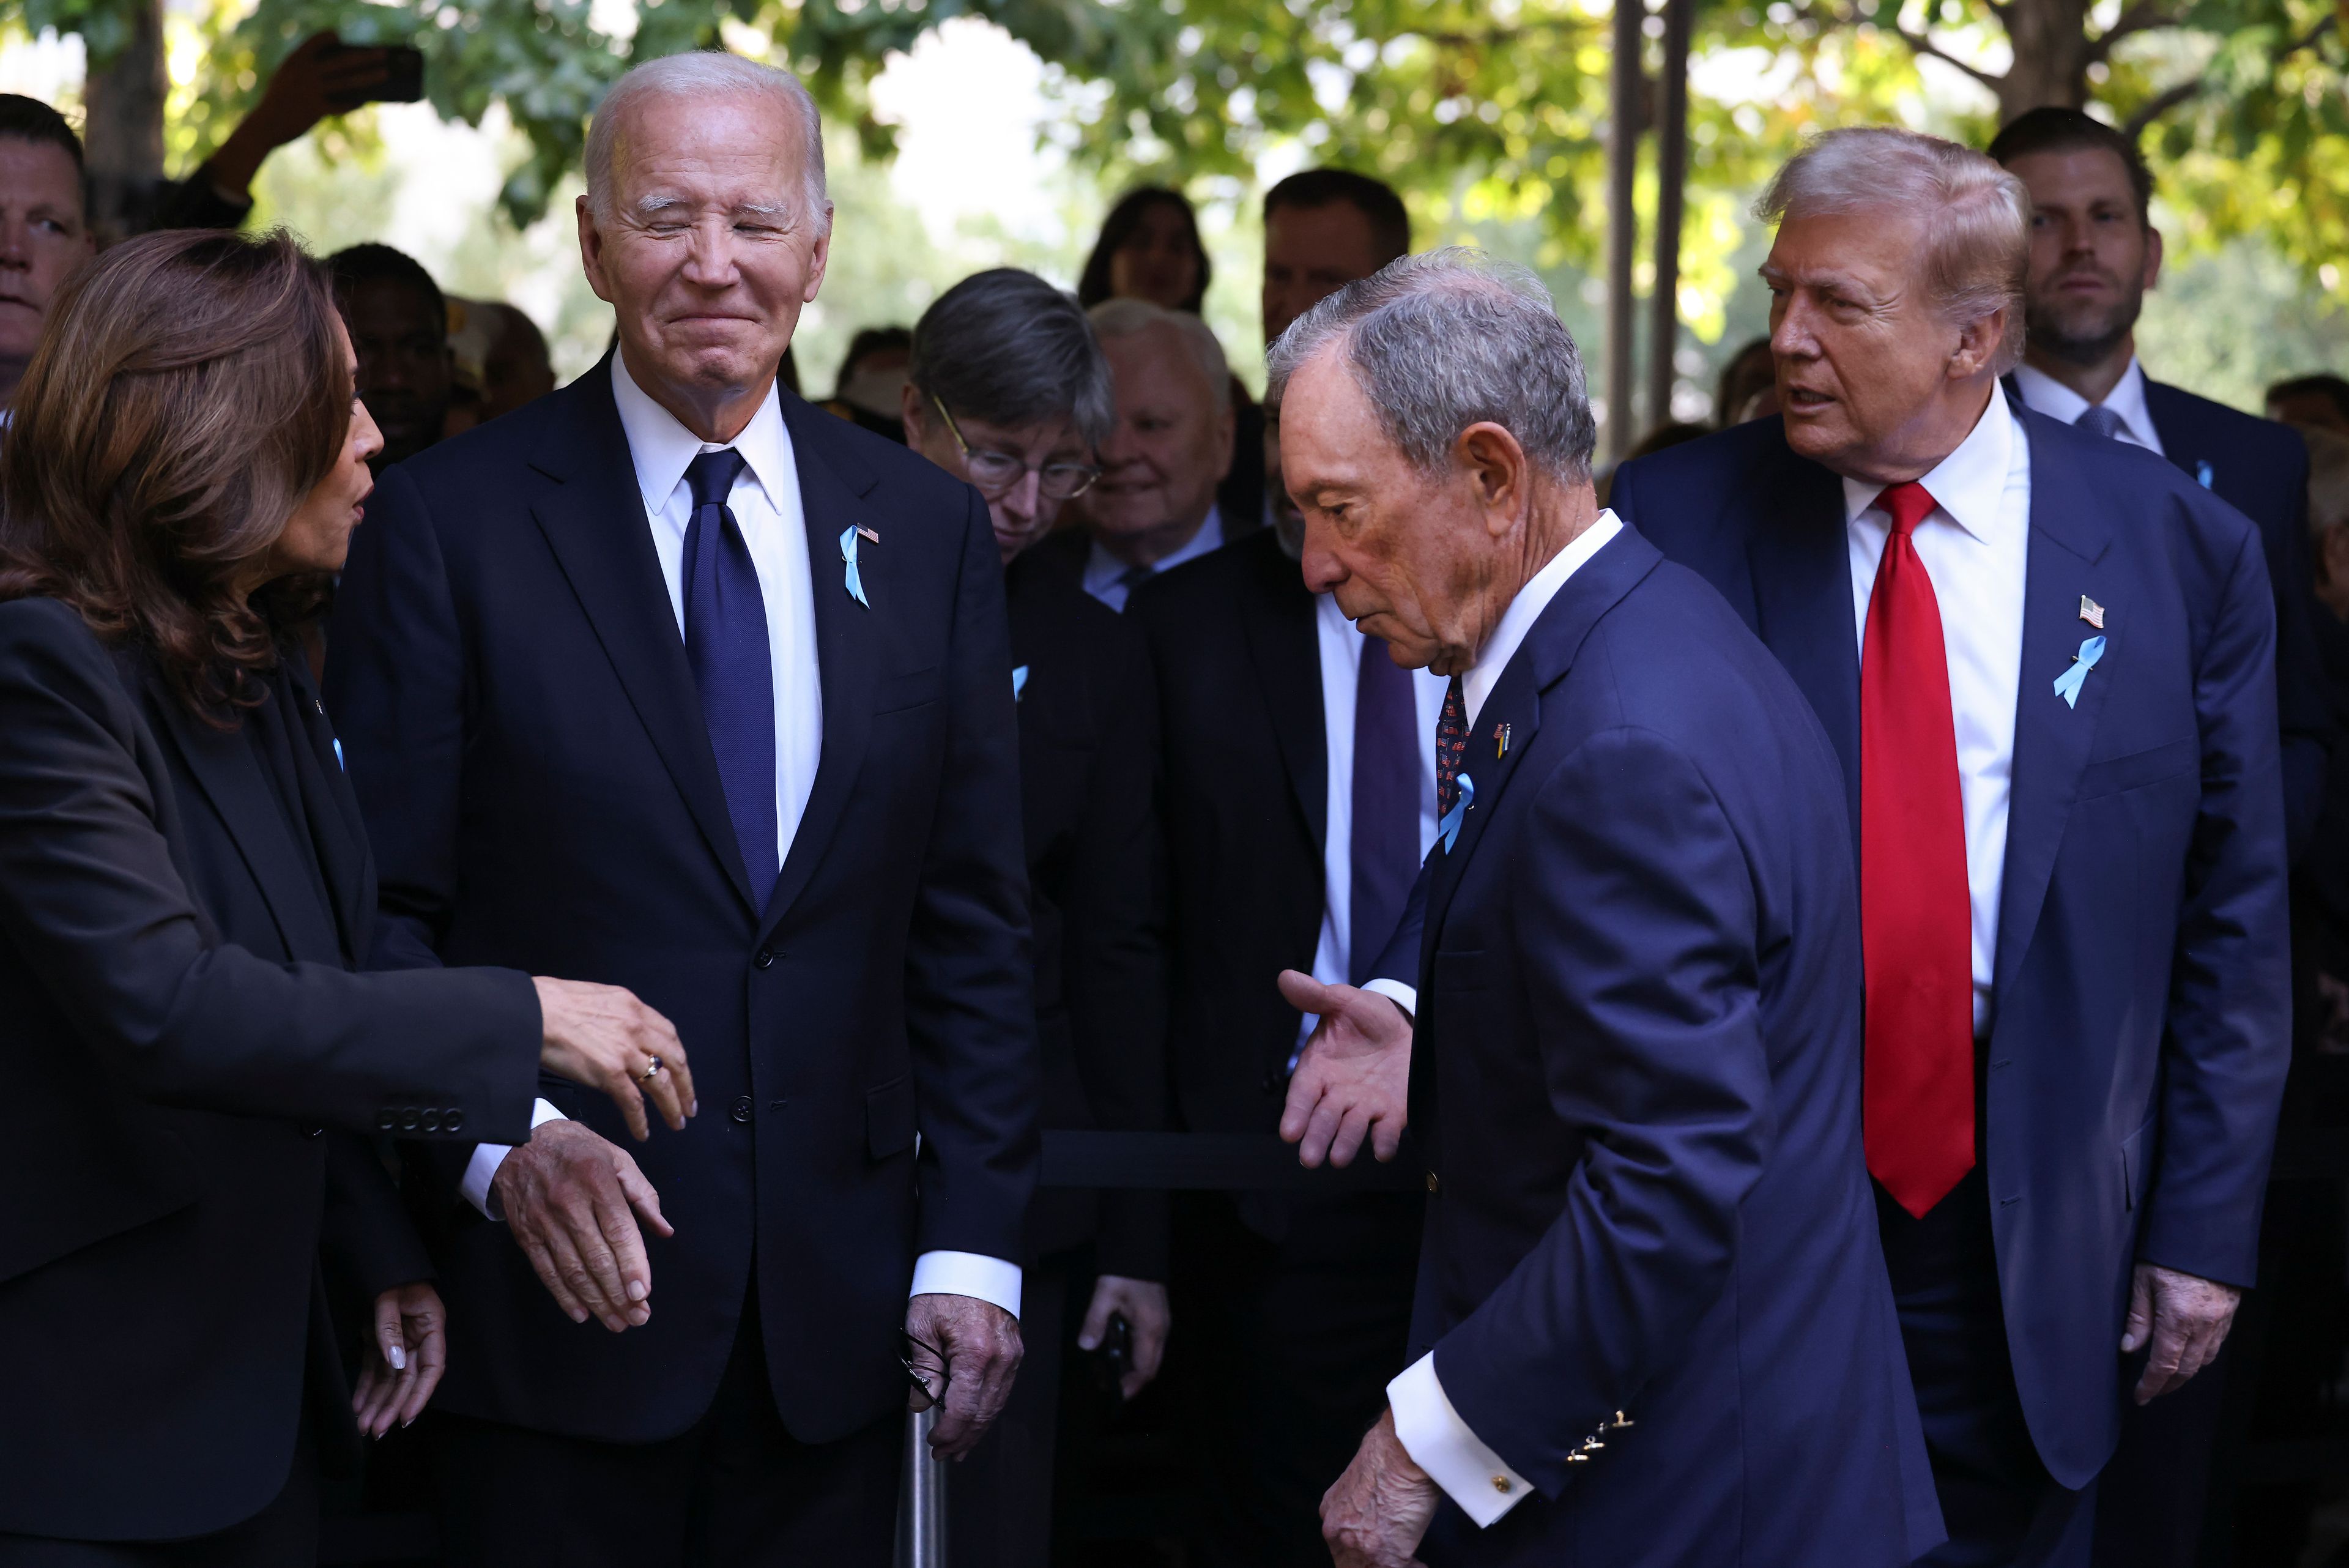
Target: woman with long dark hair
[1149,249]
[194,1060]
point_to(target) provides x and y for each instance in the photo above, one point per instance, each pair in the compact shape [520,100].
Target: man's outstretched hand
[1353,1078]
[572,1201]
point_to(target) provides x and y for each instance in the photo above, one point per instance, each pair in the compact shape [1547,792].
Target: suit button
[433,1119]
[766,959]
[742,1108]
[385,1119]
[407,1119]
[453,1121]
[1433,1184]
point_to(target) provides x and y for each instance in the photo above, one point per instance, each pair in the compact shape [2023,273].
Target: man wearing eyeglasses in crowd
[1009,389]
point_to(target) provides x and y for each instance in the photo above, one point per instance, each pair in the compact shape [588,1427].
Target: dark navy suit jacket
[1638,1074]
[2142,993]
[524,734]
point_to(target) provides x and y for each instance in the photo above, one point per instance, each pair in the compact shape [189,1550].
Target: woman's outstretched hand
[602,1036]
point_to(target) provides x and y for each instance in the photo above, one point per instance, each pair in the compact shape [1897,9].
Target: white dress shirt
[1974,544]
[1341,645]
[2043,394]
[1105,571]
[1428,1428]
[765,501]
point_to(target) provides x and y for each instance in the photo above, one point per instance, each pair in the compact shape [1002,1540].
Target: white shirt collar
[661,447]
[1526,608]
[2043,393]
[1970,484]
[1103,569]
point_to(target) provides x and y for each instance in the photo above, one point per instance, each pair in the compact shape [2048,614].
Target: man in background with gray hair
[1155,507]
[675,681]
[2046,662]
[1652,1323]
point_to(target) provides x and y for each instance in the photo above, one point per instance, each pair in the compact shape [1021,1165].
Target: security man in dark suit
[2093,253]
[1009,390]
[685,683]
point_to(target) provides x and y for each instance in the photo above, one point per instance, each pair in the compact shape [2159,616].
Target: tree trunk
[1627,83]
[1671,184]
[122,130]
[2052,53]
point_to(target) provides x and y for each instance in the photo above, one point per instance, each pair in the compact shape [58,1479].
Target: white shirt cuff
[1403,996]
[968,1274]
[482,1169]
[1440,1443]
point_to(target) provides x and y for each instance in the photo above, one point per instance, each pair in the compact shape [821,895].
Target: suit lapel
[1800,562]
[595,526]
[2180,433]
[226,769]
[848,637]
[2070,532]
[340,832]
[1540,663]
[1284,645]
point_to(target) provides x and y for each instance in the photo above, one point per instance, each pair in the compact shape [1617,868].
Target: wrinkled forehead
[1878,249]
[741,151]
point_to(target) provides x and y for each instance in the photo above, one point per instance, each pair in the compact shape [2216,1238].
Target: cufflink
[1501,1485]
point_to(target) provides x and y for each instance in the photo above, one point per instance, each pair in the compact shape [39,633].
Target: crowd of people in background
[1221,778]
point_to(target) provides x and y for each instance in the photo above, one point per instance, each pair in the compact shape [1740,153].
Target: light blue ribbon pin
[848,556]
[1019,682]
[2068,684]
[1448,830]
[339,755]
[2202,474]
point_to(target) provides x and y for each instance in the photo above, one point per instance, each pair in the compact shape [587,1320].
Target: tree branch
[2141,16]
[2163,102]
[1922,44]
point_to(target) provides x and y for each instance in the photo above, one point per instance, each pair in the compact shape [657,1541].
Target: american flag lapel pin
[2092,612]
[1500,741]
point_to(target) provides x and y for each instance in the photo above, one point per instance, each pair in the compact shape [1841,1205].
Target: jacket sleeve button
[385,1119]
[454,1121]
[407,1119]
[433,1119]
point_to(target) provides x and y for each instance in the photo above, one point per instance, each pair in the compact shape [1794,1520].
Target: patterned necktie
[2101,420]
[1915,912]
[1450,745]
[1385,848]
[733,667]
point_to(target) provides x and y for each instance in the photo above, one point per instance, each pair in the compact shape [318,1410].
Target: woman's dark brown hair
[188,391]
[1124,220]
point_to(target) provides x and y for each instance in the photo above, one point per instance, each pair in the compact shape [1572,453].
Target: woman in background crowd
[1149,249]
[185,897]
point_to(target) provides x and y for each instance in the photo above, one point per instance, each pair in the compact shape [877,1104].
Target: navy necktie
[733,670]
[1451,747]
[1386,804]
[2102,420]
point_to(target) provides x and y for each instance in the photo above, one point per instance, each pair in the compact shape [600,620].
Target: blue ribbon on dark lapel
[848,556]
[2068,684]
[1448,830]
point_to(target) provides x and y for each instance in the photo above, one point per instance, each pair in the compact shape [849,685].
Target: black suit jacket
[1236,674]
[528,747]
[192,1064]
[1088,753]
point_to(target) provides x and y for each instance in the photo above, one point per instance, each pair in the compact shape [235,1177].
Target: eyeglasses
[997,472]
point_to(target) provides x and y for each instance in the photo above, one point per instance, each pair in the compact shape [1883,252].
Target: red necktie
[1916,914]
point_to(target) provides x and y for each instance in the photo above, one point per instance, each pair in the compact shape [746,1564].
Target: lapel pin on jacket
[2068,684]
[1448,830]
[1500,741]
[1019,682]
[2092,612]
[848,558]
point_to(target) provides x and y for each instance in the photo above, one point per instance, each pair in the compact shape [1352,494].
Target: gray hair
[1126,317]
[703,74]
[1007,348]
[1977,216]
[1448,339]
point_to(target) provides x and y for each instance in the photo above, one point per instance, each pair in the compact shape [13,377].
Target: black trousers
[283,1535]
[1280,1354]
[736,1490]
[2002,1507]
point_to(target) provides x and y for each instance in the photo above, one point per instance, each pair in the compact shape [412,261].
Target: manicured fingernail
[637,1290]
[1086,1342]
[578,1316]
[397,1357]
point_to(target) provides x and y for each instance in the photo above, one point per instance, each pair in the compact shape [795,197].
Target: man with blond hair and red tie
[2047,662]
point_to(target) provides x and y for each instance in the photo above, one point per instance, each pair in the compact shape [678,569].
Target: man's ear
[1979,342]
[591,251]
[911,411]
[2152,256]
[1496,466]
